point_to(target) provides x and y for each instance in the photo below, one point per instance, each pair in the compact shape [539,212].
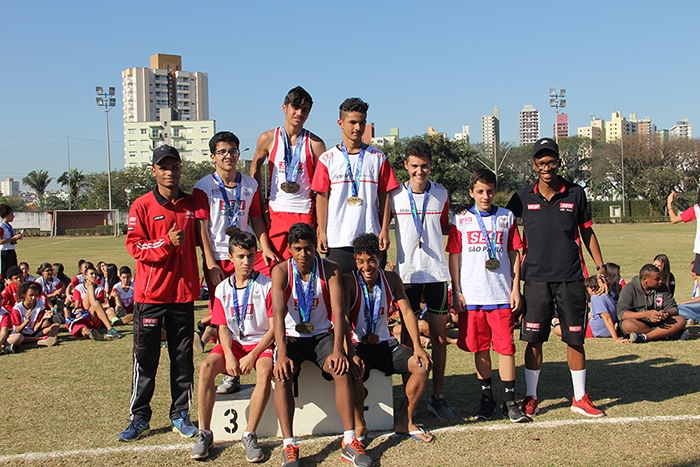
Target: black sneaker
[512,412]
[637,338]
[487,407]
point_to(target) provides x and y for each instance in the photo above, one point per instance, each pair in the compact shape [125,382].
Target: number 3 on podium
[233,426]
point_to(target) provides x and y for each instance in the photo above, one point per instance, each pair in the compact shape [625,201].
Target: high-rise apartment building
[561,126]
[491,132]
[164,88]
[529,125]
[464,135]
[594,131]
[681,130]
[9,187]
[619,126]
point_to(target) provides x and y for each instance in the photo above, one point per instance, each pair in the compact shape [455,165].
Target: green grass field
[75,396]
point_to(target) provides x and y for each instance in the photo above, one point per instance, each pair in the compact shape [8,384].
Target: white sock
[348,435]
[287,441]
[532,377]
[578,377]
[246,433]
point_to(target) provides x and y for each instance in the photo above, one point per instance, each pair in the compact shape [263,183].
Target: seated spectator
[8,340]
[661,261]
[51,288]
[603,315]
[78,279]
[26,277]
[102,271]
[614,281]
[59,272]
[690,309]
[647,311]
[123,296]
[36,322]
[14,280]
[89,314]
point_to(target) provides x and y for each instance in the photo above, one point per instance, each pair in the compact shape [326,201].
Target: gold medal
[492,264]
[304,328]
[290,187]
[355,201]
[370,339]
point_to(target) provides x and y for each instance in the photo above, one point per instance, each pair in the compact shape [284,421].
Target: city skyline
[420,61]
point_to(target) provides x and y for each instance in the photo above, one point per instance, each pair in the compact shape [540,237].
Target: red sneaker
[586,407]
[290,456]
[530,406]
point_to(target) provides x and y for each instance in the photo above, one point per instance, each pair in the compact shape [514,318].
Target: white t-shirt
[48,287]
[6,232]
[345,222]
[320,315]
[256,321]
[426,264]
[34,315]
[127,296]
[280,200]
[360,326]
[481,286]
[209,205]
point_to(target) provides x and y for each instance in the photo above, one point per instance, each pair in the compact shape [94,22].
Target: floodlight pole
[107,101]
[557,101]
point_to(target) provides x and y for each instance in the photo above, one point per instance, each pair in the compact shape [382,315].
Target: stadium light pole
[107,101]
[557,102]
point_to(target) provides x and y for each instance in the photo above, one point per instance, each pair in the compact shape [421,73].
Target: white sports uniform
[258,312]
[281,201]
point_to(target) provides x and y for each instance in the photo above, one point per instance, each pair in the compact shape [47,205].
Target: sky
[417,63]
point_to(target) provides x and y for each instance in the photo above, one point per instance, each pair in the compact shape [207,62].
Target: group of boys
[333,311]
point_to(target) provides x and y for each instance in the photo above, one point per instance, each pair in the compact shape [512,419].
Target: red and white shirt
[209,205]
[126,295]
[425,264]
[81,291]
[481,286]
[281,201]
[358,320]
[320,315]
[345,222]
[256,321]
[35,314]
[50,286]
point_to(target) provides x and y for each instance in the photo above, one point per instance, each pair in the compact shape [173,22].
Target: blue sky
[418,64]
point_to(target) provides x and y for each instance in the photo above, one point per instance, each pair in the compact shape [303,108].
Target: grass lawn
[75,396]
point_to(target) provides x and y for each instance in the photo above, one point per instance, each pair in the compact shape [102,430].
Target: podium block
[315,412]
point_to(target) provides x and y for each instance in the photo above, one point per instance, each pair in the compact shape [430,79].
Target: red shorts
[90,322]
[479,328]
[241,351]
[280,222]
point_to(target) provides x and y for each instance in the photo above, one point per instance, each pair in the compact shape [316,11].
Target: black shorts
[391,359]
[434,294]
[570,305]
[315,349]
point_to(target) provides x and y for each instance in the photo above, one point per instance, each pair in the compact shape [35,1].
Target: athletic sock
[578,377]
[114,320]
[508,391]
[348,436]
[486,388]
[287,441]
[532,377]
[246,433]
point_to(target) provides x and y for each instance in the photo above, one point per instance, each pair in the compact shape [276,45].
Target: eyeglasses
[230,152]
[548,165]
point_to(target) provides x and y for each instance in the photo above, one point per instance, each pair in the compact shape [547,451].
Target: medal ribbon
[418,221]
[355,181]
[305,300]
[490,242]
[9,228]
[371,310]
[47,286]
[240,314]
[292,159]
[232,208]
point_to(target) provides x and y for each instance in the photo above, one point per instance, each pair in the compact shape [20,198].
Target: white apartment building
[464,135]
[681,130]
[529,125]
[491,132]
[9,187]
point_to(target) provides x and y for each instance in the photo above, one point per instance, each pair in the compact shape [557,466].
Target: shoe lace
[291,452]
[357,445]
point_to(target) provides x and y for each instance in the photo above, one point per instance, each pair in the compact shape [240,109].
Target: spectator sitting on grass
[662,262]
[9,293]
[8,340]
[36,322]
[26,277]
[89,312]
[77,280]
[51,287]
[123,296]
[690,309]
[647,311]
[614,281]
[603,316]
[60,273]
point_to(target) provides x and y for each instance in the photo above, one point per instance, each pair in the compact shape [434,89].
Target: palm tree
[75,180]
[38,180]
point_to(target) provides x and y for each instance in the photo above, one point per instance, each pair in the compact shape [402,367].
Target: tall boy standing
[421,208]
[293,152]
[555,219]
[352,181]
[162,237]
[484,246]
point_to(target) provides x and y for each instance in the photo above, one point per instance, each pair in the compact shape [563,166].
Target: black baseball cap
[161,152]
[545,144]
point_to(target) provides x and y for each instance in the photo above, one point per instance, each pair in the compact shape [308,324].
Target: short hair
[13,271]
[353,104]
[90,267]
[419,148]
[223,137]
[647,270]
[5,210]
[241,239]
[301,231]
[124,270]
[482,175]
[81,262]
[26,287]
[366,243]
[43,267]
[24,263]
[298,97]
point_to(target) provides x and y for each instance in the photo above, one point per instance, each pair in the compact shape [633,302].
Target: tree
[38,180]
[15,202]
[74,179]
